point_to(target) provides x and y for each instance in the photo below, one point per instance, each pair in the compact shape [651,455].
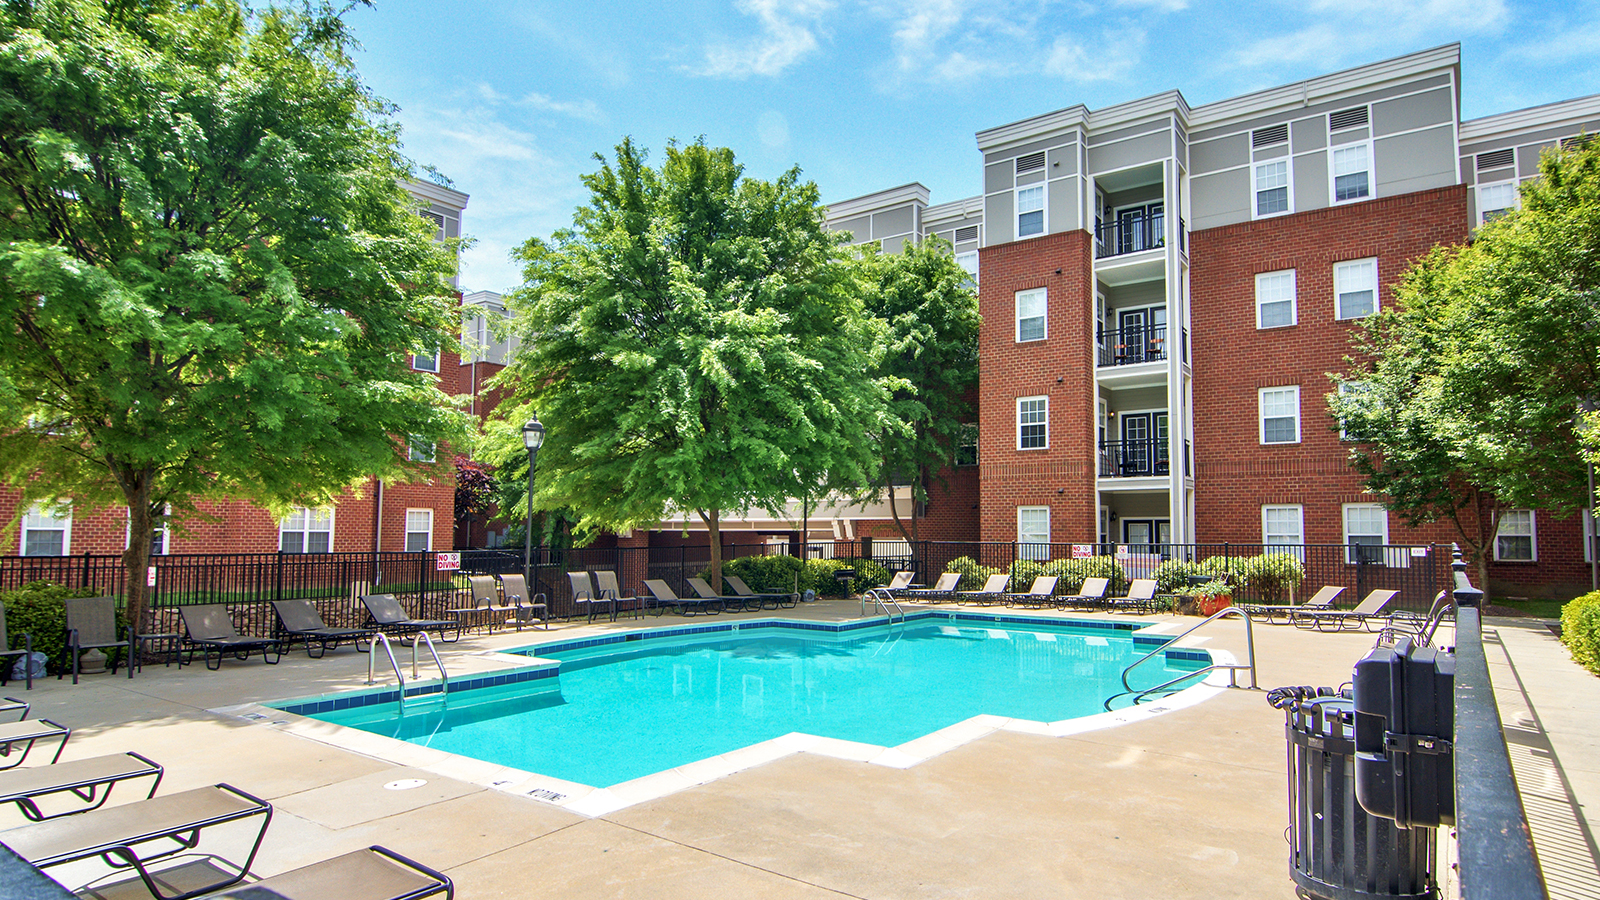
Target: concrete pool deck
[1190,803]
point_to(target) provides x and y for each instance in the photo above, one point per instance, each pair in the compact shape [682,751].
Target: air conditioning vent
[1577,142]
[1033,162]
[969,233]
[1495,159]
[1266,137]
[1348,118]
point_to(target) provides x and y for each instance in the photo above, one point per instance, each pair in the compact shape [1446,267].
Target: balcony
[1130,234]
[1132,346]
[1137,458]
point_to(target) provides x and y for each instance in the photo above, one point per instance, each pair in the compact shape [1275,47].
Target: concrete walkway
[1191,803]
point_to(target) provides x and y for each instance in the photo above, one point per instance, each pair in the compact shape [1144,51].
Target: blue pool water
[625,710]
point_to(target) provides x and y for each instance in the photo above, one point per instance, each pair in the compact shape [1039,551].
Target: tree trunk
[136,559]
[713,526]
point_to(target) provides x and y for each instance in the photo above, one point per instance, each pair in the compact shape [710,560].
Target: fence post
[277,586]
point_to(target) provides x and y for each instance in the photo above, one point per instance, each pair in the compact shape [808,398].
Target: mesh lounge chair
[1141,598]
[376,873]
[993,591]
[730,602]
[605,582]
[298,620]
[1322,599]
[89,780]
[898,583]
[13,705]
[138,834]
[767,601]
[485,608]
[1038,595]
[1368,611]
[526,608]
[686,606]
[1091,595]
[17,740]
[91,625]
[943,589]
[6,653]
[586,599]
[387,615]
[209,629]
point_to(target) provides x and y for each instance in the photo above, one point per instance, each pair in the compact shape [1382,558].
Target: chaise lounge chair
[942,590]
[1322,599]
[900,581]
[686,606]
[376,873]
[27,733]
[90,780]
[387,615]
[26,652]
[1091,595]
[586,599]
[1369,611]
[527,608]
[767,601]
[1039,595]
[298,620]
[730,602]
[209,628]
[993,591]
[1141,598]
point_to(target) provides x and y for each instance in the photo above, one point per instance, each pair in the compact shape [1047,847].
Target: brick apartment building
[378,516]
[1165,289]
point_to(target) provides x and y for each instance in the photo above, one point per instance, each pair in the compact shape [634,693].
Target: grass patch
[1544,609]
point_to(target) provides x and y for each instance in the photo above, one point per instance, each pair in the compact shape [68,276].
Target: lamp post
[532,438]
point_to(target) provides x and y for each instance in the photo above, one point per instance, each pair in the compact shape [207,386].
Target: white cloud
[581,109]
[773,129]
[1106,56]
[787,37]
[1157,5]
[1342,31]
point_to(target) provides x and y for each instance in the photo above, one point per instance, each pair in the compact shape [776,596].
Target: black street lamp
[533,439]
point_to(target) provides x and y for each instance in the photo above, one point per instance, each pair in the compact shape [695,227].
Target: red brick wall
[1060,367]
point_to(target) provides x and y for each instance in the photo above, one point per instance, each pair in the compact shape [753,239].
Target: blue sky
[511,98]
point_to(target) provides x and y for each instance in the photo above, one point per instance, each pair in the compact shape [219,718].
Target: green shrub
[819,576]
[765,574]
[1072,573]
[973,575]
[777,574]
[1175,573]
[1580,630]
[36,609]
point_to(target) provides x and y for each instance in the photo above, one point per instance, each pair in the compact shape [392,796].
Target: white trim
[1532,535]
[1043,316]
[1046,422]
[435,358]
[306,529]
[1478,204]
[1333,176]
[1293,299]
[165,531]
[1344,518]
[1032,539]
[1338,291]
[1255,186]
[1300,523]
[1261,413]
[1043,210]
[37,511]
[409,532]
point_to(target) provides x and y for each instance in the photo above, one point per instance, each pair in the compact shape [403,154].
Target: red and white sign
[446,562]
[1082,551]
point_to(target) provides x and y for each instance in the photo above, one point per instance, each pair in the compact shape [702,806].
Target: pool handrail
[1250,650]
[883,598]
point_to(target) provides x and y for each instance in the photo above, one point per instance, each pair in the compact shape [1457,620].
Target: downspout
[377,519]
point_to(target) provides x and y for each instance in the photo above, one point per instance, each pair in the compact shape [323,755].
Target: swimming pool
[625,706]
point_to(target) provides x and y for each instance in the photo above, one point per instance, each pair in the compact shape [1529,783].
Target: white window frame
[1288,187]
[416,362]
[1333,173]
[1044,213]
[1347,388]
[1340,284]
[414,450]
[428,533]
[163,531]
[39,517]
[1043,298]
[1267,532]
[1030,545]
[1272,278]
[1532,534]
[1344,517]
[1261,412]
[307,518]
[969,263]
[1045,421]
[1516,199]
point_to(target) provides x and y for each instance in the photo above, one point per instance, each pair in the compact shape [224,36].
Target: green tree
[1481,375]
[209,271]
[930,308]
[695,341]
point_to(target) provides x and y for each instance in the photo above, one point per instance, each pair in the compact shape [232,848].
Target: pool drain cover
[404,784]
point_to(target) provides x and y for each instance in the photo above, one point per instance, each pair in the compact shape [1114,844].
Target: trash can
[1337,851]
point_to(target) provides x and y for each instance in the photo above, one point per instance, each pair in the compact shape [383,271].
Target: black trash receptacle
[1337,850]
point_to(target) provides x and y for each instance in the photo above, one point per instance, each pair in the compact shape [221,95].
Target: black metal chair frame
[87,789]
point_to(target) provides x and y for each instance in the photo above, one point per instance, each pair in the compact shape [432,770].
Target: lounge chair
[1141,598]
[27,733]
[209,629]
[13,705]
[605,582]
[586,599]
[767,601]
[386,614]
[1091,595]
[525,608]
[1420,628]
[1369,610]
[485,607]
[898,583]
[298,620]
[376,873]
[92,625]
[138,834]
[686,606]
[90,780]
[1322,599]
[943,589]
[730,602]
[993,591]
[1040,594]
[6,652]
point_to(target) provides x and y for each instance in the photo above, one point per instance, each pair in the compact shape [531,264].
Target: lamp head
[533,433]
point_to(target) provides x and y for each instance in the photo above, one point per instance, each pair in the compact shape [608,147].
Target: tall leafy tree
[930,308]
[1484,375]
[209,271]
[695,342]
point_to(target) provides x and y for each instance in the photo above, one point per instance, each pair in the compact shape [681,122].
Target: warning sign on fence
[1082,551]
[446,562]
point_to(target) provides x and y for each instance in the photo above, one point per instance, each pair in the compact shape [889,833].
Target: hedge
[1580,630]
[36,609]
[1267,578]
[779,574]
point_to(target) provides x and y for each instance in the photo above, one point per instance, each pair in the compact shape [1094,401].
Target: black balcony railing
[1129,234]
[1134,458]
[1129,346]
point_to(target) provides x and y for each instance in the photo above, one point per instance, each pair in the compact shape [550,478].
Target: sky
[512,99]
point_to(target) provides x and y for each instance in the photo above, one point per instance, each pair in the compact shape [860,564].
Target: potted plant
[1205,599]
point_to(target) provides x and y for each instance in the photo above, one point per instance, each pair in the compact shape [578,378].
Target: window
[1350,173]
[421,449]
[159,538]
[1355,288]
[1280,415]
[1272,188]
[1033,532]
[1030,211]
[419,530]
[1366,531]
[1030,315]
[1514,541]
[1495,200]
[1283,525]
[1275,305]
[969,264]
[1033,429]
[1355,393]
[47,531]
[425,363]
[967,446]
[306,530]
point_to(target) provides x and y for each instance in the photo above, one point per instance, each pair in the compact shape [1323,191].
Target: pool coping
[592,802]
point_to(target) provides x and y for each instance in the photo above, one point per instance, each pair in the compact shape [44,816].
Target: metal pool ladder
[388,650]
[1232,668]
[882,599]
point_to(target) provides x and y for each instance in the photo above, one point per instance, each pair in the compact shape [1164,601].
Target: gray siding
[1415,162]
[1129,153]
[1311,186]
[1061,199]
[1325,107]
[999,218]
[860,229]
[1221,198]
[1416,111]
[1309,134]
[999,177]
[1224,153]
[891,223]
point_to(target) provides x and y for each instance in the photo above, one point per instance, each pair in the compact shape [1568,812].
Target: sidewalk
[1548,707]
